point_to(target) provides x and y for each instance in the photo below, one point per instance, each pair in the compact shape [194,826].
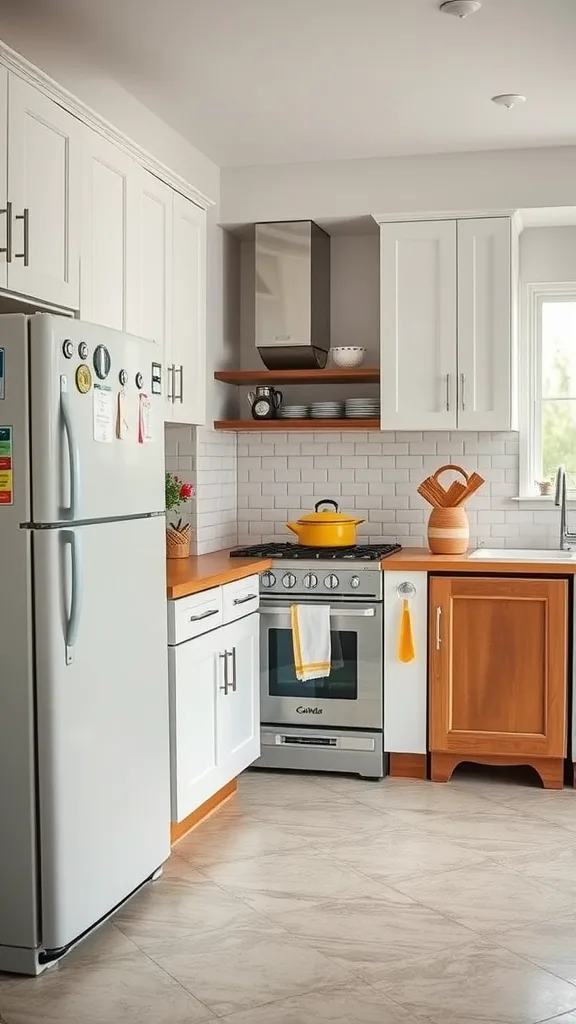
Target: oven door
[351,696]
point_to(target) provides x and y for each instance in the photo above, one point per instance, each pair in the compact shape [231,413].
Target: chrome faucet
[566,538]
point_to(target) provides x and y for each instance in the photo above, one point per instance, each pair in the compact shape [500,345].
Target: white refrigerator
[84,736]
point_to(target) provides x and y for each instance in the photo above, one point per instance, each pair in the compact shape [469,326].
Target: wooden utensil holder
[448,528]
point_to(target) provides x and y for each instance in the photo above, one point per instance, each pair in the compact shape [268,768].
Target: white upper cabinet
[186,363]
[111,250]
[156,306]
[5,222]
[418,325]
[447,299]
[484,324]
[44,171]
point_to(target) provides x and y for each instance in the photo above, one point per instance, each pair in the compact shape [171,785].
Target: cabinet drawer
[240,598]
[194,615]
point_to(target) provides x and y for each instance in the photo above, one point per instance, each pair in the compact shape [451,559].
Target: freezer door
[103,732]
[97,443]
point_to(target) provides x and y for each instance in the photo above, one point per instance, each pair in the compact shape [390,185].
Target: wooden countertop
[420,559]
[186,576]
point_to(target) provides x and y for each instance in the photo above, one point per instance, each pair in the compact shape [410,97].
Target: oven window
[341,684]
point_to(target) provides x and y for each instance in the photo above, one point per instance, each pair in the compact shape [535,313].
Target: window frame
[531,379]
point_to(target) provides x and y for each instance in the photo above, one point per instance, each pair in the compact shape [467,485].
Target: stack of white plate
[327,410]
[294,412]
[362,408]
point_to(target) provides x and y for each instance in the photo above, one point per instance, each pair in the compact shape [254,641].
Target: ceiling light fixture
[460,8]
[509,99]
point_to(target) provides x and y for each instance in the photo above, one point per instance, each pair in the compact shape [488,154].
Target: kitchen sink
[523,555]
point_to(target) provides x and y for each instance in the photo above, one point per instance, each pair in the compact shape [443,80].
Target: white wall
[548,254]
[507,179]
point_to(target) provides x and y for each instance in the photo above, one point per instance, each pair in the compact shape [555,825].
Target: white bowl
[348,356]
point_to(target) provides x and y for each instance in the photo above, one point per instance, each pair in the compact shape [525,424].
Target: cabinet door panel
[156,270]
[418,325]
[484,324]
[189,276]
[239,708]
[498,666]
[193,674]
[111,237]
[44,169]
[4,226]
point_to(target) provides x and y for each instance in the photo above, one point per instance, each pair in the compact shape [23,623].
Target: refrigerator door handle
[72,538]
[73,449]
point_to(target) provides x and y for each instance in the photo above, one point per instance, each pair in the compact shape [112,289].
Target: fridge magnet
[83,379]
[144,419]
[122,428]
[102,415]
[6,495]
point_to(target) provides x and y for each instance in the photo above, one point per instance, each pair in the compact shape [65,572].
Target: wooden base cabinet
[498,663]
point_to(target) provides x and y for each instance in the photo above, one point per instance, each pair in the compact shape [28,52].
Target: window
[549,398]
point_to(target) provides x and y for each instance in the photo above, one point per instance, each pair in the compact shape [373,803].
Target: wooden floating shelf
[284,425]
[335,375]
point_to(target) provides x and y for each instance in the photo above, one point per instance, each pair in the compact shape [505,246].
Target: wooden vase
[178,542]
[448,531]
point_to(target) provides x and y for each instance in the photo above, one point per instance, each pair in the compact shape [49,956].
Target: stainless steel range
[334,723]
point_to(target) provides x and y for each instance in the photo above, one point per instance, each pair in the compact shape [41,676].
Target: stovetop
[286,550]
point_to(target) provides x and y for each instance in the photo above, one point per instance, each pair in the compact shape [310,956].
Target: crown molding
[394,218]
[18,65]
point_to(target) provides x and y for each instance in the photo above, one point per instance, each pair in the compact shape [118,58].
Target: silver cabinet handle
[447,392]
[25,255]
[224,657]
[170,383]
[179,397]
[205,615]
[232,654]
[438,621]
[8,247]
[243,600]
[463,391]
[350,613]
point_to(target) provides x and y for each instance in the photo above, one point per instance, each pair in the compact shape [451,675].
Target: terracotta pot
[448,531]
[178,542]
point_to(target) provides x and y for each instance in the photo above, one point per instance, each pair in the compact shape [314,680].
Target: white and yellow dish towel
[311,640]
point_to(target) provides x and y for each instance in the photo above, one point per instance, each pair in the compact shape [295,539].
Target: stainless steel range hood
[292,295]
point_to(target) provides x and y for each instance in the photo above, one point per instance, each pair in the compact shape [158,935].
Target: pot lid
[326,517]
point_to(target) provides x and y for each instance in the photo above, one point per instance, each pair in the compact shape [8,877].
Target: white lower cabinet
[405,683]
[214,711]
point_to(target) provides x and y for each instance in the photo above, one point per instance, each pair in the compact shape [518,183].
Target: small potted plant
[178,535]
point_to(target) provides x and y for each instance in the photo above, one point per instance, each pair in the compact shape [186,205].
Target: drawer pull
[243,600]
[205,615]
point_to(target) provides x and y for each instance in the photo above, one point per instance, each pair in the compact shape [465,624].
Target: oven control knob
[289,580]
[268,580]
[355,582]
[331,581]
[310,581]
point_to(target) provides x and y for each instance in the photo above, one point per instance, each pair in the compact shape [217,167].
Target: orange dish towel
[311,640]
[406,648]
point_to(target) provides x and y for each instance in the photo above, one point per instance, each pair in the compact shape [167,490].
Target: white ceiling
[273,81]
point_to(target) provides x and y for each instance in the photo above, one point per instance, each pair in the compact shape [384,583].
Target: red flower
[186,491]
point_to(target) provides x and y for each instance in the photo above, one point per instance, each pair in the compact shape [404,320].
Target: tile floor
[331,899]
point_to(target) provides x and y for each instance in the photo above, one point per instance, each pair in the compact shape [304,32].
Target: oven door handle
[350,613]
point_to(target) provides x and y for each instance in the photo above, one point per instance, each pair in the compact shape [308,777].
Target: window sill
[542,500]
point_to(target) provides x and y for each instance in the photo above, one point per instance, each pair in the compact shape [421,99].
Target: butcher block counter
[186,576]
[422,560]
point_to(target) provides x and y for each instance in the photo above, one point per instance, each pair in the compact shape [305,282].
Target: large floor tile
[418,795]
[550,944]
[248,967]
[554,866]
[132,990]
[367,935]
[479,980]
[173,909]
[394,855]
[287,881]
[326,819]
[491,834]
[486,897]
[218,842]
[349,1004]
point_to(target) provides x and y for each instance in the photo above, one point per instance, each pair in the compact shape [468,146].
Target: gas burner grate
[356,553]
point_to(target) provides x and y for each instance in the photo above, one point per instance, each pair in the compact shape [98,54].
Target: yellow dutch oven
[332,529]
